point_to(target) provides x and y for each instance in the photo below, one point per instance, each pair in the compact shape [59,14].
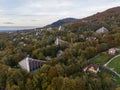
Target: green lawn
[100,59]
[114,77]
[115,64]
[117,79]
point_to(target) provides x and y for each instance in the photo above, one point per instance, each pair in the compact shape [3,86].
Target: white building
[59,53]
[102,30]
[30,64]
[112,51]
[49,28]
[60,27]
[58,41]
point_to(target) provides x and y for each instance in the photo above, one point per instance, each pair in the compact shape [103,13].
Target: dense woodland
[66,71]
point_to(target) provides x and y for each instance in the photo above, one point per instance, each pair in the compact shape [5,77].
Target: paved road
[106,67]
[111,60]
[112,70]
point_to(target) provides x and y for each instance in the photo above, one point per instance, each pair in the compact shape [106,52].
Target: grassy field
[115,64]
[117,79]
[114,78]
[100,59]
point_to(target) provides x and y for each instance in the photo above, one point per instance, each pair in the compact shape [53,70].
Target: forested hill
[109,18]
[66,59]
[61,22]
[108,13]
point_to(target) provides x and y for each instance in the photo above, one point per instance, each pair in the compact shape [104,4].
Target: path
[111,69]
[111,60]
[105,65]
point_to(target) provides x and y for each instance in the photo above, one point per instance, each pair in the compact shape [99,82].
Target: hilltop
[62,22]
[109,18]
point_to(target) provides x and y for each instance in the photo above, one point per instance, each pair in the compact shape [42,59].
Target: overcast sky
[43,12]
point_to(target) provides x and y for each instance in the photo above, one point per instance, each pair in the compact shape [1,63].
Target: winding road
[111,60]
[111,69]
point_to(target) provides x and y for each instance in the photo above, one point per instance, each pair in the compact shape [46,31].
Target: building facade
[30,64]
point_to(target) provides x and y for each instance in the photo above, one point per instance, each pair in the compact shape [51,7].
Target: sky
[43,12]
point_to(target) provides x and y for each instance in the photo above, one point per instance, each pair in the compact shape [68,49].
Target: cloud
[35,12]
[35,20]
[51,4]
[8,23]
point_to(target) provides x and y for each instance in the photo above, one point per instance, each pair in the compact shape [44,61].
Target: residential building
[49,28]
[59,53]
[30,64]
[94,68]
[112,51]
[60,27]
[102,30]
[91,38]
[48,58]
[59,41]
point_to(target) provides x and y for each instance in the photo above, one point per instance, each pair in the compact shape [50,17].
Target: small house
[85,21]
[59,41]
[48,58]
[59,53]
[94,68]
[112,51]
[21,43]
[91,38]
[60,27]
[14,39]
[37,34]
[49,28]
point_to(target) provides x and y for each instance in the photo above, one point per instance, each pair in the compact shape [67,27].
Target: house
[30,64]
[112,51]
[91,38]
[49,28]
[85,21]
[21,43]
[102,30]
[48,58]
[37,34]
[94,68]
[82,36]
[22,38]
[14,39]
[59,41]
[42,29]
[60,27]
[59,53]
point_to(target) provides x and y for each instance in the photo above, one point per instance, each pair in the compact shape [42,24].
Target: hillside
[62,22]
[66,53]
[109,18]
[107,13]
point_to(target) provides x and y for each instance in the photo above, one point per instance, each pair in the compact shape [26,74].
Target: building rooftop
[102,30]
[31,64]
